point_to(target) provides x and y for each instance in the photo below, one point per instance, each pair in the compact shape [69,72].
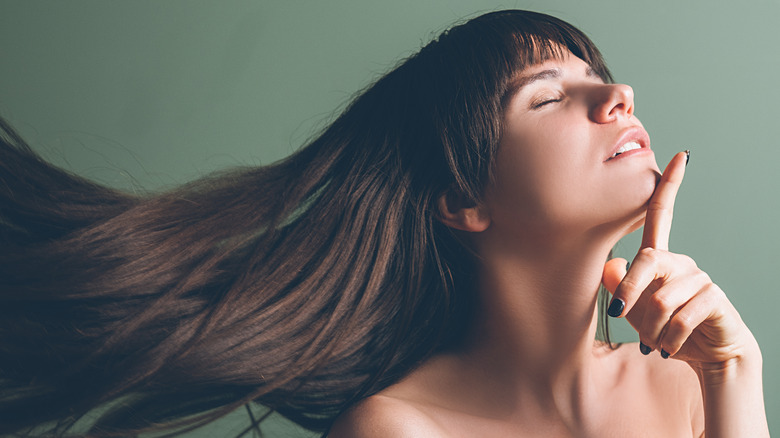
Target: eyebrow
[522,81]
[552,73]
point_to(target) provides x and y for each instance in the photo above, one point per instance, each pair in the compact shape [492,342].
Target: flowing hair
[304,286]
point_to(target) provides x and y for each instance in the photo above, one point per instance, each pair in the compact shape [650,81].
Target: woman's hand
[674,305]
[681,313]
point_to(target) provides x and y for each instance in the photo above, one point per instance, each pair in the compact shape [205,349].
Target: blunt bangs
[530,39]
[471,70]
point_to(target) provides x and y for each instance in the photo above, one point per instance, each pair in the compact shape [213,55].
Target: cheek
[562,189]
[541,186]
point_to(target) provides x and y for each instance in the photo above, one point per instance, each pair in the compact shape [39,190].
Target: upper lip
[634,133]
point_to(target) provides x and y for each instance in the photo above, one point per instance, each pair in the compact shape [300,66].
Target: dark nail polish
[687,156]
[628,265]
[664,354]
[644,349]
[616,307]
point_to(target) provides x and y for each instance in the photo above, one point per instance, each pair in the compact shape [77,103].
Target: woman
[428,266]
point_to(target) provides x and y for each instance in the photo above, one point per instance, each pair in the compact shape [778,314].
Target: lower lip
[631,153]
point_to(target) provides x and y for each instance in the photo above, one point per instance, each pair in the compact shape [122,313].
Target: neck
[536,322]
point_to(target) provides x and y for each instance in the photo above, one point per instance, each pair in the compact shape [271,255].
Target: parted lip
[634,133]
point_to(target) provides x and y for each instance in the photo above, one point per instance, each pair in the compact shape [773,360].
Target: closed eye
[545,101]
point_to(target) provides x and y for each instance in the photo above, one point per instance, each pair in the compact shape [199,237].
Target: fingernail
[644,349]
[664,354]
[687,156]
[616,307]
[628,265]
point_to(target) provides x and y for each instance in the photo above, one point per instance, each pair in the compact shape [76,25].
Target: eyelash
[544,102]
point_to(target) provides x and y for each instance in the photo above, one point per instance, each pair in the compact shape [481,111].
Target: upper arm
[379,417]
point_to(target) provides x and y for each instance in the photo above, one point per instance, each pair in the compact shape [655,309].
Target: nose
[611,102]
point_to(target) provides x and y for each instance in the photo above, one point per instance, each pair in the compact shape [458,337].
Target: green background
[148,94]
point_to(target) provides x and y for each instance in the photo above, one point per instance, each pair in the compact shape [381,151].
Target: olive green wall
[152,93]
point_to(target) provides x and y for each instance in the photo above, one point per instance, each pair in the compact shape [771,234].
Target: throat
[536,319]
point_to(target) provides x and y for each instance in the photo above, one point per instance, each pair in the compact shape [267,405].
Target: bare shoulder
[668,373]
[673,382]
[383,416]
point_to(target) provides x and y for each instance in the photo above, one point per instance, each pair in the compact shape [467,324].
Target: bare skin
[447,398]
[529,366]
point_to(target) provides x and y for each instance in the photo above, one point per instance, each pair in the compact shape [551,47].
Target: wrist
[732,395]
[744,364]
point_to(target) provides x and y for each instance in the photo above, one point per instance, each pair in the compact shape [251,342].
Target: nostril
[621,105]
[612,102]
[622,108]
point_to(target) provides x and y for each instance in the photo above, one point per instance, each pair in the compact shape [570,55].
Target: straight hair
[304,285]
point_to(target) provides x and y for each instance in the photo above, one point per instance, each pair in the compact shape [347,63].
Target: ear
[459,213]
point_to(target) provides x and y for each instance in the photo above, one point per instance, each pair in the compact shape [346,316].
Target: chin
[635,226]
[642,193]
[626,222]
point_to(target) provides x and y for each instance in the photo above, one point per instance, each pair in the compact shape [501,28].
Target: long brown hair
[304,285]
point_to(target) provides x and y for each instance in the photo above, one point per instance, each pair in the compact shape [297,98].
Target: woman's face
[556,169]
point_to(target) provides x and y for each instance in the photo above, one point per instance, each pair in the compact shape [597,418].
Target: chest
[621,415]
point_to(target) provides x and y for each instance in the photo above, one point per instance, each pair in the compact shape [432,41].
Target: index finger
[658,220]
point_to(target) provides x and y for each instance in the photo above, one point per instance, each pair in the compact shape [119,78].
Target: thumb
[614,271]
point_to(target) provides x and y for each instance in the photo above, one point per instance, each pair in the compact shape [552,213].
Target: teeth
[630,146]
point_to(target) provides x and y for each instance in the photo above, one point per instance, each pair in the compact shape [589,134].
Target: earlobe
[456,213]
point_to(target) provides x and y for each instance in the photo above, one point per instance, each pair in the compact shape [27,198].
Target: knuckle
[627,286]
[652,256]
[714,291]
[702,277]
[660,302]
[647,253]
[687,261]
[681,323]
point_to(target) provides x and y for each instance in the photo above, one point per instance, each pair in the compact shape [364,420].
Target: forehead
[565,63]
[551,69]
